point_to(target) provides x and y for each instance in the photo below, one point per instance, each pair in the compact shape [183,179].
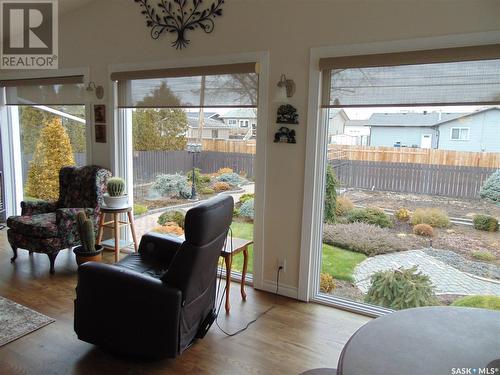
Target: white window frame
[315,163]
[121,139]
[460,128]
[11,140]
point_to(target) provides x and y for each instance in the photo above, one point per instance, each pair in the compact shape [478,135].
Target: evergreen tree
[159,129]
[330,196]
[53,151]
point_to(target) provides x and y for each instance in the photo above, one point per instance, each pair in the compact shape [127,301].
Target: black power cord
[224,292]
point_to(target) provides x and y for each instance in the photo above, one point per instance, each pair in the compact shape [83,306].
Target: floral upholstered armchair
[48,227]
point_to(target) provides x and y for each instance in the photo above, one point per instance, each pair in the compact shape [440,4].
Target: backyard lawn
[245,231]
[338,262]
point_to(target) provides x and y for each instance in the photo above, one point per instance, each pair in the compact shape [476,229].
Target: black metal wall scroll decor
[180,16]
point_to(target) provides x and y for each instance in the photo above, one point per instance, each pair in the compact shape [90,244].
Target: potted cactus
[116,197]
[88,250]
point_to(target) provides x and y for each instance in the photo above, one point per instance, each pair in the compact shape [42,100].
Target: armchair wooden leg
[13,259]
[229,260]
[52,259]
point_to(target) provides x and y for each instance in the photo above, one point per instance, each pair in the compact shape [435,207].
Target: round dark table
[424,341]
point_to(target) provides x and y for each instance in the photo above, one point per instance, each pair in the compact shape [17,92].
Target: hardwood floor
[292,338]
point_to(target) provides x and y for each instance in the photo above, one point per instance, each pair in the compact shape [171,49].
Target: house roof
[193,122]
[356,122]
[240,113]
[410,119]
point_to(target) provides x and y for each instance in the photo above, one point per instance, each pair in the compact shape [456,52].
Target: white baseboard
[284,290]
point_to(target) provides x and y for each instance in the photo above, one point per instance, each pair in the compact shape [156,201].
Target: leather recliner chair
[153,303]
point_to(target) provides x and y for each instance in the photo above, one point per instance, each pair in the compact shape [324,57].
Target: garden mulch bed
[455,207]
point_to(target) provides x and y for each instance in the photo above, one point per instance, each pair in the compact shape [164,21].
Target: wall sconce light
[99,90]
[286,87]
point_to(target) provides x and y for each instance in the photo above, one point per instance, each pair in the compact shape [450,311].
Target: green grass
[484,302]
[245,231]
[340,263]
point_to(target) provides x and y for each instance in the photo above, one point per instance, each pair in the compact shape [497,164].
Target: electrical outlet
[281,263]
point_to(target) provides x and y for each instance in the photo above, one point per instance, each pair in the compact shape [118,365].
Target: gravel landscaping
[482,269]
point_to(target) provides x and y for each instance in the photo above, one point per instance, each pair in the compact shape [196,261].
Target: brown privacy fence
[149,164]
[415,156]
[449,181]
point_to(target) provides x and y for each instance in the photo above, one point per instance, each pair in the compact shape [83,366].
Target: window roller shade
[212,86]
[45,91]
[471,76]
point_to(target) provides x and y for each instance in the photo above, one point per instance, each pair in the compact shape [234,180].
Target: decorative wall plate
[180,16]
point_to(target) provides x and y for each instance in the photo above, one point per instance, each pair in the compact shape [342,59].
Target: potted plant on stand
[116,197]
[88,250]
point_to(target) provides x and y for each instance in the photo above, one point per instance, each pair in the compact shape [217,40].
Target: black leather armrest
[160,247]
[123,309]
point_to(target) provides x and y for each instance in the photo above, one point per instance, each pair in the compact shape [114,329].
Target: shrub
[423,230]
[224,171]
[491,187]
[401,289]
[402,214]
[370,215]
[201,179]
[330,196]
[485,222]
[221,186]
[170,228]
[207,191]
[247,209]
[326,283]
[344,205]
[484,302]
[362,238]
[172,185]
[483,255]
[172,217]
[435,217]
[233,179]
[140,209]
[245,197]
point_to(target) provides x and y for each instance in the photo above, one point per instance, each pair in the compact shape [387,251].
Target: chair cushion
[138,263]
[39,226]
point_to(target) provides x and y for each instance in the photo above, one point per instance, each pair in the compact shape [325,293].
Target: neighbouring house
[213,126]
[344,131]
[336,123]
[242,123]
[476,131]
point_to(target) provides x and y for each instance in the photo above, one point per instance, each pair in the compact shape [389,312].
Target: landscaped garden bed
[420,239]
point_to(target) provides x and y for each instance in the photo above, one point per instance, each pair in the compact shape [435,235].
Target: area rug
[17,320]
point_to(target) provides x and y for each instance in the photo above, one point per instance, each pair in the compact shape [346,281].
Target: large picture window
[48,118]
[400,203]
[187,146]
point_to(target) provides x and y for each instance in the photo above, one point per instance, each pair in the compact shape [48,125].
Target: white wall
[113,31]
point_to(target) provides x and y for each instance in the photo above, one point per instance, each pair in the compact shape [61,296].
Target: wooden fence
[449,181]
[415,156]
[149,164]
[223,145]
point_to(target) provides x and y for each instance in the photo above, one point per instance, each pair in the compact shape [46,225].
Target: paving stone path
[445,278]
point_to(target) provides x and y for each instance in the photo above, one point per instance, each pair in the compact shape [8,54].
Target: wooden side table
[238,245]
[115,224]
